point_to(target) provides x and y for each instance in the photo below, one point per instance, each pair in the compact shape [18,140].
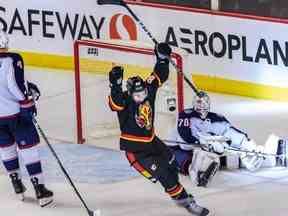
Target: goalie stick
[42,133]
[260,154]
[146,30]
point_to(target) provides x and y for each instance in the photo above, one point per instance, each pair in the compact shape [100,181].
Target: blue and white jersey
[12,84]
[190,124]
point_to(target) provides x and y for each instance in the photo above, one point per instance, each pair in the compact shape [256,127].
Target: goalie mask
[4,40]
[201,104]
[136,88]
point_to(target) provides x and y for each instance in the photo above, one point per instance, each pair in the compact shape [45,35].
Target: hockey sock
[32,162]
[178,192]
[10,159]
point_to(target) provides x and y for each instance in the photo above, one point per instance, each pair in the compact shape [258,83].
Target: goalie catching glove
[216,144]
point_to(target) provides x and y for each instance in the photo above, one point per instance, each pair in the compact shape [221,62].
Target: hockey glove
[33,90]
[116,76]
[162,51]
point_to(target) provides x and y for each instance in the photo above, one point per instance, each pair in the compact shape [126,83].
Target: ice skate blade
[44,202]
[205,212]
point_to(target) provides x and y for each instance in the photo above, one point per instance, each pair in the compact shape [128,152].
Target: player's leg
[27,139]
[183,159]
[9,157]
[161,166]
[202,169]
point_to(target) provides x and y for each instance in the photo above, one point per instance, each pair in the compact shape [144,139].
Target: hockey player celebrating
[213,133]
[144,150]
[18,135]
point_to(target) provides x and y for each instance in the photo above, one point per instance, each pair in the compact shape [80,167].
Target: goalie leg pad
[282,150]
[275,145]
[203,167]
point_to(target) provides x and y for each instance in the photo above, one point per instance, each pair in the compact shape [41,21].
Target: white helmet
[4,40]
[201,104]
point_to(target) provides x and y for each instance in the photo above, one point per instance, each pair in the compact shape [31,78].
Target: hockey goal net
[93,60]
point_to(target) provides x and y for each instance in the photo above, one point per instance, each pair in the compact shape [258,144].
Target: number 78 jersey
[190,124]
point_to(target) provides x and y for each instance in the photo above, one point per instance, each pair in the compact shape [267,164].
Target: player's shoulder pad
[16,58]
[216,117]
[150,79]
[186,113]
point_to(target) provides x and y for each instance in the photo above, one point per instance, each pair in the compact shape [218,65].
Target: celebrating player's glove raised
[116,76]
[163,51]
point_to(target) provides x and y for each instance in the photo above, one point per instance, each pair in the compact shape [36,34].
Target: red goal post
[86,53]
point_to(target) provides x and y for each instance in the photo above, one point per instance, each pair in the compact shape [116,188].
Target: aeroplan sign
[219,45]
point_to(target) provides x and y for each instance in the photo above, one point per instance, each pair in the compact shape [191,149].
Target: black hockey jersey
[137,120]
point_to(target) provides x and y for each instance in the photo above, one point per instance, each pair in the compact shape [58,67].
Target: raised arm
[161,69]
[116,99]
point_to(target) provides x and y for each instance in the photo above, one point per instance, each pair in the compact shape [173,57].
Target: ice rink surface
[107,182]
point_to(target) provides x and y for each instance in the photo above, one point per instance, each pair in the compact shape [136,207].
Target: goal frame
[123,48]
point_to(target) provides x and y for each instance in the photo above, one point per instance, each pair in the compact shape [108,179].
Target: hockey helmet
[136,87]
[201,104]
[4,40]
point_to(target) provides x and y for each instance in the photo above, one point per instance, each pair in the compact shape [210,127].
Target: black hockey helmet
[135,84]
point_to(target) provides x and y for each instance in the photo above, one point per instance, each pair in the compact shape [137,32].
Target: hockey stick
[42,133]
[90,212]
[145,29]
[230,149]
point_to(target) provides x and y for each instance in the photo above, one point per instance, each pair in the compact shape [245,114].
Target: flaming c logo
[123,27]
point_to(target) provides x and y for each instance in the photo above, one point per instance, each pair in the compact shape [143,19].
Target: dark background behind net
[268,8]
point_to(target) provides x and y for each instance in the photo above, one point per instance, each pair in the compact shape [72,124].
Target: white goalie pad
[271,147]
[201,162]
[252,161]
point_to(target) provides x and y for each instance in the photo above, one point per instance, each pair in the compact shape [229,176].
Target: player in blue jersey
[201,136]
[18,135]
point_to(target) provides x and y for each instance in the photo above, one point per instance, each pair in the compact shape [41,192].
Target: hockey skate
[43,195]
[18,186]
[192,207]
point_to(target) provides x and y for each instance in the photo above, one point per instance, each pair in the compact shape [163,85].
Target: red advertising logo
[123,26]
